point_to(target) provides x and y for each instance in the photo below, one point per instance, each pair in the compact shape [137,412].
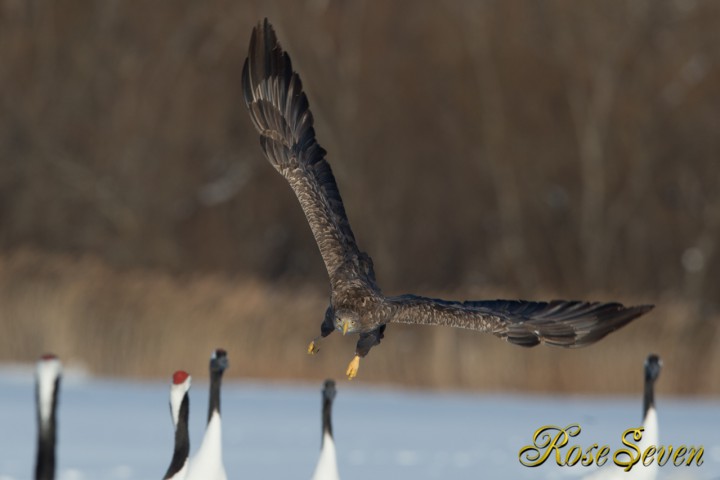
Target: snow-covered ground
[110,429]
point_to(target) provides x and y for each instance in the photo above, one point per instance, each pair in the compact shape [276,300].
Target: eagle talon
[353,368]
[312,348]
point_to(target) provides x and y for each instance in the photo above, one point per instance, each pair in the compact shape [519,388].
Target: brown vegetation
[517,148]
[145,323]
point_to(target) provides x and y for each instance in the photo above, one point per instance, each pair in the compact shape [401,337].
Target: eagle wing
[558,322]
[280,111]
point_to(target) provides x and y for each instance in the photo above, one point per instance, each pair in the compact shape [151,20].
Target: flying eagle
[280,111]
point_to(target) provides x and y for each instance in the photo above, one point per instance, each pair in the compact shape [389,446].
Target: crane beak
[345,327]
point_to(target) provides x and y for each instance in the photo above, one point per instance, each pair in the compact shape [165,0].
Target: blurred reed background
[554,149]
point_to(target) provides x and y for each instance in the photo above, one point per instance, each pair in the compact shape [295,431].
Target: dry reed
[145,323]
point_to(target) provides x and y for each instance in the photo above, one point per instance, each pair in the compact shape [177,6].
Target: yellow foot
[353,368]
[312,348]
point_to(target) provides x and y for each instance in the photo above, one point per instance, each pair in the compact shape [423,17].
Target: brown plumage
[280,111]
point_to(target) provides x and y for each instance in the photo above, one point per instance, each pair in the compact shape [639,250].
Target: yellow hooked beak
[345,326]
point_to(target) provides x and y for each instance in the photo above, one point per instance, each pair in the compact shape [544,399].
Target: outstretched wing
[280,111]
[560,323]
